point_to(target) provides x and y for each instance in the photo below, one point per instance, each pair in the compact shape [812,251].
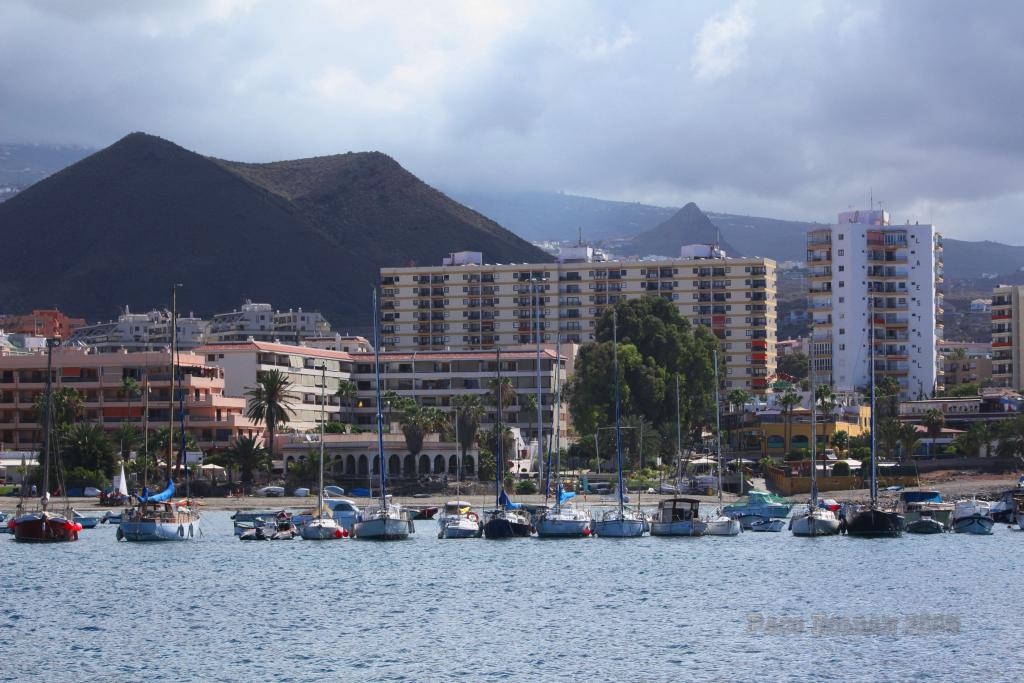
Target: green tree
[1011,439]
[639,440]
[737,398]
[127,437]
[246,455]
[87,446]
[909,438]
[841,440]
[841,469]
[795,366]
[934,421]
[485,466]
[347,393]
[129,391]
[887,397]
[889,432]
[158,442]
[417,421]
[270,403]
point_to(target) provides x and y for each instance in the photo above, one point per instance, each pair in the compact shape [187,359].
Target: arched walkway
[453,465]
[394,466]
[468,466]
[350,465]
[438,464]
[363,465]
[409,469]
[424,467]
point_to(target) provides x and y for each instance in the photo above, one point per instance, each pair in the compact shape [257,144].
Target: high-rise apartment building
[466,304]
[1007,340]
[870,280]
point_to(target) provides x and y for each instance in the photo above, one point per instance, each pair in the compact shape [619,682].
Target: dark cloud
[785,109]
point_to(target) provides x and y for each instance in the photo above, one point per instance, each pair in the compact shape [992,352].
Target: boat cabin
[677,510]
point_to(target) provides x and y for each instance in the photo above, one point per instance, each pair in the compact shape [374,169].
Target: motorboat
[247,520]
[281,529]
[721,525]
[1018,509]
[384,522]
[111,518]
[972,517]
[343,510]
[768,525]
[925,523]
[457,520]
[757,506]
[915,504]
[87,521]
[678,517]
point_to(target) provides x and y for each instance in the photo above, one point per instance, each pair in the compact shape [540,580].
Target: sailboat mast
[145,431]
[679,433]
[718,428]
[814,429]
[871,352]
[618,411]
[323,401]
[170,402]
[380,414]
[48,418]
[499,439]
[556,406]
[537,300]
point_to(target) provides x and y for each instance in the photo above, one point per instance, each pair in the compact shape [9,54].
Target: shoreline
[951,485]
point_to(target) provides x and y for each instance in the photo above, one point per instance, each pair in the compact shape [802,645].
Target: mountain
[781,240]
[122,225]
[689,225]
[541,216]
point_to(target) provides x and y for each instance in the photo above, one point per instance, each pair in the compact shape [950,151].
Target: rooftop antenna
[579,241]
[872,194]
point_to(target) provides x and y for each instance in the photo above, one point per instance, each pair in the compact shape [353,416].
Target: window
[842,252]
[840,235]
[842,268]
[842,283]
[842,299]
[842,330]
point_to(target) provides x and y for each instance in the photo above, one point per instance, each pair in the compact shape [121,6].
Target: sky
[796,109]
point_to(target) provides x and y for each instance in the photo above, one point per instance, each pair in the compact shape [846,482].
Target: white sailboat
[720,524]
[621,522]
[383,520]
[563,519]
[322,527]
[457,520]
[817,521]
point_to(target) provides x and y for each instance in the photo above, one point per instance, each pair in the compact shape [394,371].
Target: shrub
[841,469]
[798,454]
[526,487]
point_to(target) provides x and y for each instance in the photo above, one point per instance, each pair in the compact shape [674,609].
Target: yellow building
[767,433]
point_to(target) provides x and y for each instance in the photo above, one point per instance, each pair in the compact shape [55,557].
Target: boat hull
[1020,521]
[772,525]
[145,531]
[44,528]
[382,529]
[723,527]
[620,528]
[563,528]
[813,525]
[322,530]
[979,525]
[925,525]
[461,530]
[687,528]
[871,522]
[500,527]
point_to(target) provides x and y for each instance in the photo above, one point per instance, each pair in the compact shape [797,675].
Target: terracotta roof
[365,356]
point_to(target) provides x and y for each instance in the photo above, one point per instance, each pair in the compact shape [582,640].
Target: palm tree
[934,420]
[346,393]
[841,440]
[909,437]
[245,454]
[158,440]
[1011,439]
[985,433]
[469,412]
[506,393]
[87,445]
[417,421]
[737,398]
[889,432]
[269,403]
[789,401]
[528,405]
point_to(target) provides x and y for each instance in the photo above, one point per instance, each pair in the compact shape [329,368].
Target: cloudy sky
[784,109]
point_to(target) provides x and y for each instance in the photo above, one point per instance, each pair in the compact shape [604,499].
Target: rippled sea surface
[757,607]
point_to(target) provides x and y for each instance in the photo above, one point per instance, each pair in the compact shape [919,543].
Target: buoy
[181,530]
[120,534]
[190,531]
[344,533]
[586,531]
[337,533]
[10,524]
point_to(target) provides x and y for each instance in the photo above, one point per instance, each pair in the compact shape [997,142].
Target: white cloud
[722,44]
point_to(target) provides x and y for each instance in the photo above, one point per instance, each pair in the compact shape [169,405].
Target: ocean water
[757,607]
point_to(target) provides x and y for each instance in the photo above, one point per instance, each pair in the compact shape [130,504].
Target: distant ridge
[120,226]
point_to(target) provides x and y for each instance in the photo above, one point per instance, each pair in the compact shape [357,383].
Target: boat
[111,518]
[678,517]
[244,521]
[323,526]
[344,510]
[87,521]
[915,504]
[872,520]
[1004,508]
[972,517]
[1018,509]
[457,520]
[818,520]
[720,524]
[756,506]
[563,520]
[384,520]
[621,522]
[925,523]
[279,528]
[768,525]
[41,524]
[156,517]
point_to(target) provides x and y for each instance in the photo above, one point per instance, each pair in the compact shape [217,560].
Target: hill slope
[122,225]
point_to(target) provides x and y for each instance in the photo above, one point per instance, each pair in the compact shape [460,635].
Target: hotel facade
[1007,337]
[465,304]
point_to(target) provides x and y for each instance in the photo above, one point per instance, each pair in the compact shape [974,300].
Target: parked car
[274,491]
[334,491]
[301,492]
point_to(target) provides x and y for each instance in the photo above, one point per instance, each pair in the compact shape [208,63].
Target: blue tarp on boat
[921,497]
[504,501]
[161,497]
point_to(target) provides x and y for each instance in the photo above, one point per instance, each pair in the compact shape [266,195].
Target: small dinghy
[768,525]
[86,521]
[926,524]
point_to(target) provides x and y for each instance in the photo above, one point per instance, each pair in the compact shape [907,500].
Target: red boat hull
[45,529]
